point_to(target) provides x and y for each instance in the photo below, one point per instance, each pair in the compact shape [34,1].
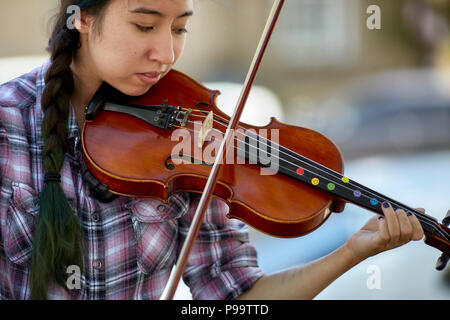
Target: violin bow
[172,284]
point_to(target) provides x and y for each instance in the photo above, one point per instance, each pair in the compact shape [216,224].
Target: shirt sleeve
[223,263]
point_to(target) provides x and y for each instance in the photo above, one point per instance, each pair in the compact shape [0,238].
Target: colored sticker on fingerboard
[331,186]
[300,171]
[315,181]
[357,193]
[345,180]
[374,201]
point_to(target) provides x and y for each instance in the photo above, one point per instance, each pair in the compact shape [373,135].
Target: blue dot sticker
[374,201]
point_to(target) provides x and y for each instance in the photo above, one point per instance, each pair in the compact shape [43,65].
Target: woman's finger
[392,222]
[417,227]
[384,237]
[406,228]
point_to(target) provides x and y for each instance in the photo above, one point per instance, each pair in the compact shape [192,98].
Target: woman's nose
[163,49]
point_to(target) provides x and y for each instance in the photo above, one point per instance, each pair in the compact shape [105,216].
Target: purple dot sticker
[357,193]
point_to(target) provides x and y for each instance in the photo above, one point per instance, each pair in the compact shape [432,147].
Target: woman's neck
[85,86]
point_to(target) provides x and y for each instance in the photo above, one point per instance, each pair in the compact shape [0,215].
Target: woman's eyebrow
[157,13]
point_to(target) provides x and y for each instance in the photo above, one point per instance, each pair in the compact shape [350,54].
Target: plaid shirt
[131,244]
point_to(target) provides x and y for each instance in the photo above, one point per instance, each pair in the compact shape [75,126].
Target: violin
[281,179]
[129,146]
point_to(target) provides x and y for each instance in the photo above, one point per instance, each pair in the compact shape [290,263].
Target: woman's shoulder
[23,90]
[19,92]
[21,95]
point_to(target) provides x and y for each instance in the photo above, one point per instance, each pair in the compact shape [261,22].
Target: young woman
[51,224]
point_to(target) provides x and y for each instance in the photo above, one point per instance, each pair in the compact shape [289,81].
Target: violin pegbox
[443,259]
[446,220]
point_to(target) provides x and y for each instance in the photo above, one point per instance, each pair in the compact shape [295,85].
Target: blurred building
[318,45]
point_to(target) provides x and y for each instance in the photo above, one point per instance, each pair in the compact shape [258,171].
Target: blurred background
[383,96]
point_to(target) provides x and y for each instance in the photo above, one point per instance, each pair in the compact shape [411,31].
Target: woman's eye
[181,30]
[143,28]
[147,29]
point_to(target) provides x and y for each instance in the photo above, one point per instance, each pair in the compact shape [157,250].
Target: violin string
[317,166]
[425,218]
[426,221]
[421,216]
[326,170]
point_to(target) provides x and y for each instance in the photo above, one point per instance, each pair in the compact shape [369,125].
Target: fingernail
[408,213]
[385,204]
[380,218]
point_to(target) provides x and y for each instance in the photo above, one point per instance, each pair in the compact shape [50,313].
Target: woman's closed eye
[144,28]
[180,30]
[150,28]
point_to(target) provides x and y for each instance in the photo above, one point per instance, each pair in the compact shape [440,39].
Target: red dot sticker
[300,171]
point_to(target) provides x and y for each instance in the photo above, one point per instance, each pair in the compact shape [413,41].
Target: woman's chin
[135,91]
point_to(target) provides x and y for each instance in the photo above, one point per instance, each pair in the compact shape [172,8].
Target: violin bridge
[207,126]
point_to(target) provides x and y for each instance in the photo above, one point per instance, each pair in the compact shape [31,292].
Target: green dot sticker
[331,186]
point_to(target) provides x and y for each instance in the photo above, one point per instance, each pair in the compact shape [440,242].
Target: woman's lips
[149,78]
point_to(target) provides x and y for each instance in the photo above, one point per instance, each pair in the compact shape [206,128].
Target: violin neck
[314,174]
[342,187]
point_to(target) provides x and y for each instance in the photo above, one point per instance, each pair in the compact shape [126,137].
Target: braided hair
[58,240]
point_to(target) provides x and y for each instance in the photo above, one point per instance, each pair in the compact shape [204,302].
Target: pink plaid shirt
[131,243]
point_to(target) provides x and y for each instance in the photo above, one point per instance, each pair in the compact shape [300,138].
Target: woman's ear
[83,22]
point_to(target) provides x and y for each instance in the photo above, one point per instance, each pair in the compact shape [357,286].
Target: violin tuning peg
[442,261]
[446,220]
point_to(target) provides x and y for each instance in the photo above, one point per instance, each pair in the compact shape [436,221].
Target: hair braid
[57,239]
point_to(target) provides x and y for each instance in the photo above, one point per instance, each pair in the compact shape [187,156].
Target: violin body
[134,158]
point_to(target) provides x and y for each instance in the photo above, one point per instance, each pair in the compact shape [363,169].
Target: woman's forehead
[151,8]
[151,4]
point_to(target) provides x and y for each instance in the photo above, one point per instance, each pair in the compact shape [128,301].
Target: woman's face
[137,37]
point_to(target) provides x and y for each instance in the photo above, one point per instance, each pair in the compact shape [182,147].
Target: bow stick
[172,284]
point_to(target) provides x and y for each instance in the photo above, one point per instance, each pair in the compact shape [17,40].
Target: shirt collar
[72,125]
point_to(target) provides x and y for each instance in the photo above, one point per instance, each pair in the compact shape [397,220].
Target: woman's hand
[384,233]
[306,281]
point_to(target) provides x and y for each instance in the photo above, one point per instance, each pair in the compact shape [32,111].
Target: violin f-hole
[169,164]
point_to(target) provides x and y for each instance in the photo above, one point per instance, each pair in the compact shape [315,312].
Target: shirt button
[97,264]
[162,208]
[95,217]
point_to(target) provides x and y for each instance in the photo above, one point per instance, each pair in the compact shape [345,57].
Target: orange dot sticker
[315,181]
[345,180]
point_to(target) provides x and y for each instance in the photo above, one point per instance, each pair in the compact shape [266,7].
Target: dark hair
[58,241]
